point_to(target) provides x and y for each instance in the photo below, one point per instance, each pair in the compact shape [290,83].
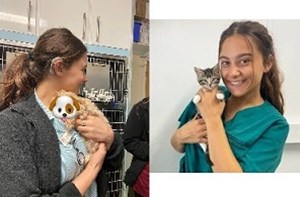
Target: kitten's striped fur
[209,77]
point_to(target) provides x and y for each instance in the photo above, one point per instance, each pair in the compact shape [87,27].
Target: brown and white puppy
[68,106]
[64,107]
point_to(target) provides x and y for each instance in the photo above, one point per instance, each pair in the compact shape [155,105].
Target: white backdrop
[179,45]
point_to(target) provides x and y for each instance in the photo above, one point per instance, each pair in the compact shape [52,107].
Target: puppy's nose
[64,114]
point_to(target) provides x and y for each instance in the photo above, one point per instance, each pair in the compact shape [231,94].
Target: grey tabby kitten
[208,79]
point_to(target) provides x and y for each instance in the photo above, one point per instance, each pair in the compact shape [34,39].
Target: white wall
[176,47]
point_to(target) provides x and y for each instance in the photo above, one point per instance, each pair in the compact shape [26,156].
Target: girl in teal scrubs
[247,132]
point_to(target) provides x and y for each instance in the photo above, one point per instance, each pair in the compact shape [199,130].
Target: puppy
[68,106]
[64,107]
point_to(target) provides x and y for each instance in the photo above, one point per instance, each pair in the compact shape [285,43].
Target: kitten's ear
[216,69]
[198,71]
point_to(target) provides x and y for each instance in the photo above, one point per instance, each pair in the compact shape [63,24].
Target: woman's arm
[192,132]
[136,136]
[220,152]
[89,174]
[115,155]
[265,153]
[98,129]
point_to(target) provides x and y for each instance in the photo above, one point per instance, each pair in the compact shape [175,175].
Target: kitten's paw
[220,96]
[196,99]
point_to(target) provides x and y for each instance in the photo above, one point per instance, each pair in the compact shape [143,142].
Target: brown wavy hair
[22,76]
[272,80]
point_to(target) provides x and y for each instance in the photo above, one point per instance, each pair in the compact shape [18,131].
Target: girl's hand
[192,132]
[97,158]
[210,106]
[96,128]
[84,180]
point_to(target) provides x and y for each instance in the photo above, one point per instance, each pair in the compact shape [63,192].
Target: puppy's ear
[76,104]
[53,103]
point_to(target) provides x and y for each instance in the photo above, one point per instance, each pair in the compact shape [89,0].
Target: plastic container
[137,31]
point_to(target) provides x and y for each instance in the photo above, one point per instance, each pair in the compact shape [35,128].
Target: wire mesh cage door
[9,51]
[114,113]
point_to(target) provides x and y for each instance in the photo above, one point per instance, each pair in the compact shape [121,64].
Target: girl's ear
[53,103]
[57,66]
[268,68]
[269,64]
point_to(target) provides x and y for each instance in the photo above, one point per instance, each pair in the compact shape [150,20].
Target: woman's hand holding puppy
[96,128]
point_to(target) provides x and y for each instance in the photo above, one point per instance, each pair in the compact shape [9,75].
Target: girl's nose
[234,71]
[85,79]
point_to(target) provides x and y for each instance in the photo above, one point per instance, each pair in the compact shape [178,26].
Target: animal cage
[115,113]
[116,118]
[9,49]
[109,68]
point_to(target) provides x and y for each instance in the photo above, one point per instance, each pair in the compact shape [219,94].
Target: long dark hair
[272,80]
[22,76]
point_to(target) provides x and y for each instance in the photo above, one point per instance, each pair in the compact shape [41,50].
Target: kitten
[208,79]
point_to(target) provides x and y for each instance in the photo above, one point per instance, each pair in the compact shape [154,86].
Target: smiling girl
[247,132]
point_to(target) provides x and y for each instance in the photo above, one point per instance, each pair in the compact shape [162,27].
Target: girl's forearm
[220,152]
[177,141]
[86,177]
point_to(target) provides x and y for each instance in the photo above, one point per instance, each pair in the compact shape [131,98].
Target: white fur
[197,99]
[59,109]
[220,96]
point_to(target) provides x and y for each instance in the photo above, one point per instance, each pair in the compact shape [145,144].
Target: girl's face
[75,76]
[241,66]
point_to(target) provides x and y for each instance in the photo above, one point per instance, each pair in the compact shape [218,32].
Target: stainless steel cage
[114,112]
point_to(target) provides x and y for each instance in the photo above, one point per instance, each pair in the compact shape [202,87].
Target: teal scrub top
[256,136]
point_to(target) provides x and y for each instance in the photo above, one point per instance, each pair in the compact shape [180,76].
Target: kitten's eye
[203,81]
[216,80]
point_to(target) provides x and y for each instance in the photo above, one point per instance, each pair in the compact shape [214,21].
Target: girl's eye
[244,62]
[224,64]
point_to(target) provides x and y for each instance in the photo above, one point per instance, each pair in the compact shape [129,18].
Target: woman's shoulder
[9,123]
[8,115]
[269,110]
[277,117]
[5,116]
[142,105]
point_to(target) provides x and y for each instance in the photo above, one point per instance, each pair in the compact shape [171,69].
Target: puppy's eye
[59,110]
[69,109]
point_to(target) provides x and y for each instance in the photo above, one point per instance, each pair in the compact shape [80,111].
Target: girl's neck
[235,104]
[46,91]
[243,102]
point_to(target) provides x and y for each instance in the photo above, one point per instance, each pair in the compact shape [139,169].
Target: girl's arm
[220,152]
[192,132]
